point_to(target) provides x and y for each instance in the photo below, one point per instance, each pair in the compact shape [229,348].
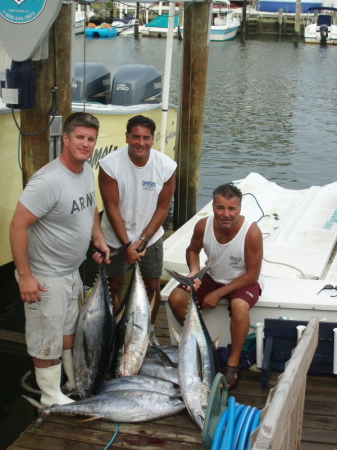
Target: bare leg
[152,286]
[178,301]
[239,327]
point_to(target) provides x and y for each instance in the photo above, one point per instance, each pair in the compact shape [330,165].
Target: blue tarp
[162,21]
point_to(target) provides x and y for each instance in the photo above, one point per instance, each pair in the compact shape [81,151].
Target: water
[270,106]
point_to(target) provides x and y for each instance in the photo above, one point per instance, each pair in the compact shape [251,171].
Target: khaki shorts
[151,265]
[55,316]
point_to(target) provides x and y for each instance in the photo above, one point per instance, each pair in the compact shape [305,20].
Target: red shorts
[249,294]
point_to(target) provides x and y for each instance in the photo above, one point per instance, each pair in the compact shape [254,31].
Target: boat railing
[282,417]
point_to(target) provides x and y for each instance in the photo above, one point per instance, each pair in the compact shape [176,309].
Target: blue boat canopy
[162,21]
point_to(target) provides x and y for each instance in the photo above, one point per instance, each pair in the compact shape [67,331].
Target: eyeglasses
[328,286]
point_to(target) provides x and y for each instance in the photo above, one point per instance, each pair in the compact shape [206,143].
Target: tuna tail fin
[113,251]
[42,413]
[187,281]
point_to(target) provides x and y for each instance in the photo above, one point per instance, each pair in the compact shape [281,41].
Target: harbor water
[270,108]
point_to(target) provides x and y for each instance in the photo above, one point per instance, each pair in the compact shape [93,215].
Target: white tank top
[227,261]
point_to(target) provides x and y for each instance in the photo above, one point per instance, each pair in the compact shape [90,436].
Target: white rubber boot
[48,380]
[68,367]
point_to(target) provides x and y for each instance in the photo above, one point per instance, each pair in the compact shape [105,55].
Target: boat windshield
[324,19]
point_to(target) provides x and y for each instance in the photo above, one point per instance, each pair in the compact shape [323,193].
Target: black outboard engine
[135,84]
[97,81]
[324,31]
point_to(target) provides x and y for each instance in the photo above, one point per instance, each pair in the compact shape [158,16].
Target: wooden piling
[297,25]
[190,132]
[243,27]
[35,149]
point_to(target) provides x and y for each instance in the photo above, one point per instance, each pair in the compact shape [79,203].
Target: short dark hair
[80,119]
[228,191]
[140,121]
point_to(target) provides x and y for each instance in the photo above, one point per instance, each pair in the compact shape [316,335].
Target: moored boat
[224,22]
[158,27]
[321,28]
[125,25]
[103,30]
[300,254]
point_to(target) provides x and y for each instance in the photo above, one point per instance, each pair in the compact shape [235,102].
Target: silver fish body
[140,382]
[156,368]
[94,341]
[133,329]
[122,406]
[197,364]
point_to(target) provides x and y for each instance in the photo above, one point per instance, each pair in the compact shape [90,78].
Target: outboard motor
[97,81]
[324,31]
[135,84]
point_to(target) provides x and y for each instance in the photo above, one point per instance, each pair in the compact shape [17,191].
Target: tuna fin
[187,281]
[164,357]
[117,251]
[175,334]
[217,340]
[113,251]
[42,413]
[91,418]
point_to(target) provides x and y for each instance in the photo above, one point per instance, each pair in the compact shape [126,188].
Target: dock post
[191,120]
[280,19]
[297,27]
[243,28]
[35,149]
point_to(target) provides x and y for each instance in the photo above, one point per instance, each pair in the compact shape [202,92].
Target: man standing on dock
[234,250]
[137,184]
[50,233]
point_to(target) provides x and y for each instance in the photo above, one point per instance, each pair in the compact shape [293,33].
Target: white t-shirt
[226,261]
[138,188]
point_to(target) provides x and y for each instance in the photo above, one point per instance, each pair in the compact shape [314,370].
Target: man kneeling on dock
[234,250]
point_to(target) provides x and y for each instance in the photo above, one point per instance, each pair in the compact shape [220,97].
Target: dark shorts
[151,265]
[249,294]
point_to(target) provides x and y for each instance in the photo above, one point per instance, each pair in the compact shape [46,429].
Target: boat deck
[179,431]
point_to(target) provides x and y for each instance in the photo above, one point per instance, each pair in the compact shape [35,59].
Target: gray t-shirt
[65,203]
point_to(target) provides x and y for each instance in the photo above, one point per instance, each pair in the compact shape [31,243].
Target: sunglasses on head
[328,286]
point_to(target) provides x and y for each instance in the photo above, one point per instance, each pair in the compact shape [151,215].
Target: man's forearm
[19,246]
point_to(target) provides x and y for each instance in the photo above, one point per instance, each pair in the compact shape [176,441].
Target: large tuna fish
[133,329]
[197,362]
[122,406]
[94,341]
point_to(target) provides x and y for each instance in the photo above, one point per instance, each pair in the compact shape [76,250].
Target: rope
[235,427]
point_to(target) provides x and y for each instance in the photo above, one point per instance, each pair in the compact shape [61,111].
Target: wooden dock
[179,432]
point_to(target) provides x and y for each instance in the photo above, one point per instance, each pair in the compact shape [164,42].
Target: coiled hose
[228,425]
[235,426]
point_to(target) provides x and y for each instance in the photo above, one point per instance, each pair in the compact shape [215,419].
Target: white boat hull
[223,33]
[300,234]
[312,35]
